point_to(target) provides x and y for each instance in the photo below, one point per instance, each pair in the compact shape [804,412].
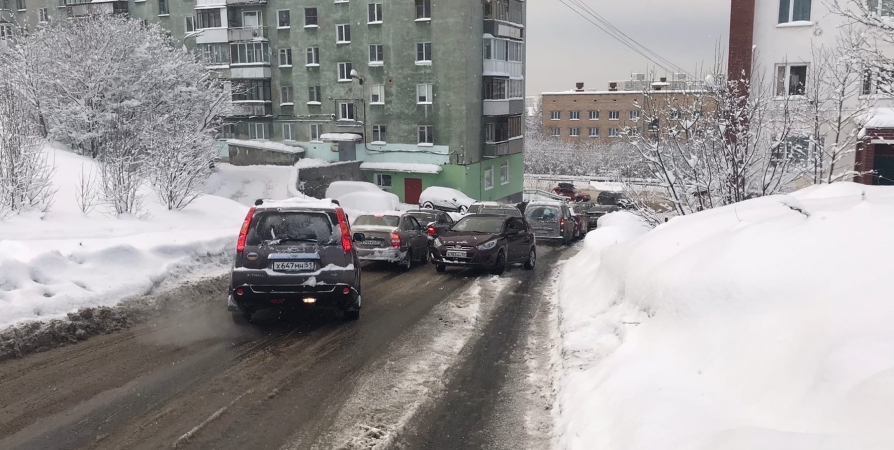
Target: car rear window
[480,224]
[424,216]
[506,211]
[382,220]
[543,213]
[285,226]
[474,209]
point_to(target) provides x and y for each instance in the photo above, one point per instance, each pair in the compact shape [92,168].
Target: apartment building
[431,91]
[581,115]
[774,40]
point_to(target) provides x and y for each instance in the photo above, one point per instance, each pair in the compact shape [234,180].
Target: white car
[339,189]
[445,199]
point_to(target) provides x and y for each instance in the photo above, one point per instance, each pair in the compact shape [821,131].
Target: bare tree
[86,191]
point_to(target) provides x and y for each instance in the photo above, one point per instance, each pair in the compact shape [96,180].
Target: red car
[568,190]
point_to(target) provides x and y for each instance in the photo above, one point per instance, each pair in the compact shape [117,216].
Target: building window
[654,124]
[343,34]
[346,111]
[877,81]
[344,71]
[214,54]
[503,129]
[554,132]
[313,95]
[287,96]
[504,10]
[489,178]
[5,31]
[594,132]
[377,95]
[163,8]
[423,9]
[374,13]
[287,134]
[594,115]
[252,90]
[634,115]
[285,57]
[555,115]
[259,130]
[613,132]
[423,52]
[489,133]
[380,133]
[424,94]
[310,17]
[883,8]
[207,18]
[250,53]
[574,131]
[614,115]
[312,57]
[575,115]
[376,55]
[794,11]
[42,15]
[284,18]
[190,25]
[316,130]
[791,79]
[504,173]
[20,5]
[503,89]
[675,114]
[383,180]
[792,150]
[427,134]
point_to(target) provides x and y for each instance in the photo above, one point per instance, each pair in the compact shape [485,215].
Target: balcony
[250,72]
[504,107]
[247,34]
[203,4]
[245,2]
[212,36]
[500,68]
[251,109]
[94,9]
[504,30]
[510,147]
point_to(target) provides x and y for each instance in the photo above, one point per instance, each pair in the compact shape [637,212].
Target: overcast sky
[563,48]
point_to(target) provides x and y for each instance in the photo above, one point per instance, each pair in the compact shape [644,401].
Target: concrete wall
[246,156]
[317,179]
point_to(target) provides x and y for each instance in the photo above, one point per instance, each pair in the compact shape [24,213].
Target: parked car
[568,190]
[486,241]
[578,212]
[607,202]
[504,210]
[393,237]
[339,190]
[551,220]
[476,207]
[435,222]
[295,254]
[445,199]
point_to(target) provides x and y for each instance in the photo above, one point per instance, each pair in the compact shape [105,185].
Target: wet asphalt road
[195,380]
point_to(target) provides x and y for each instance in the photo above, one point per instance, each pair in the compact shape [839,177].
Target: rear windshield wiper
[284,240]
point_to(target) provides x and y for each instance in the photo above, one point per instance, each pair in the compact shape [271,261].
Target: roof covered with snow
[267,145]
[340,137]
[401,167]
[880,118]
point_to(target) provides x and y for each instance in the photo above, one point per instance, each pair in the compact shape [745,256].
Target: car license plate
[293,266]
[372,242]
[456,254]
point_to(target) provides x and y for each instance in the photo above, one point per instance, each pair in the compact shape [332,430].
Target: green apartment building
[424,92]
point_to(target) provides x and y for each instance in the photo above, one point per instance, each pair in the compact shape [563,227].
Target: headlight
[487,245]
[437,242]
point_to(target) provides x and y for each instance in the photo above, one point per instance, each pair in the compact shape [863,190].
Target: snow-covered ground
[56,262]
[761,325]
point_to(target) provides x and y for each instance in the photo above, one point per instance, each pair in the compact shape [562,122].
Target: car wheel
[428,205]
[462,209]
[500,265]
[351,314]
[241,318]
[407,263]
[441,268]
[566,240]
[532,259]
[427,258]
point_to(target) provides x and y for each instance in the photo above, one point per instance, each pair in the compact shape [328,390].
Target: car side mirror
[359,237]
[512,232]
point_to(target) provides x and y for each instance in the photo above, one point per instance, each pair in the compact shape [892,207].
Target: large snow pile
[245,184]
[344,191]
[53,263]
[761,325]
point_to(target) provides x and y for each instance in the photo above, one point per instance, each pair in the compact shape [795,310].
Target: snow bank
[56,262]
[245,184]
[765,324]
[368,201]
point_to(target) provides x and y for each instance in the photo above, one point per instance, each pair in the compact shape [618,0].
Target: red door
[412,190]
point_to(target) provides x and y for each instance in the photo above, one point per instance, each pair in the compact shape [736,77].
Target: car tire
[428,205]
[441,268]
[241,318]
[500,265]
[406,264]
[566,240]
[532,259]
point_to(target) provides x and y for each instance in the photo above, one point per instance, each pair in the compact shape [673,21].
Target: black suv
[295,254]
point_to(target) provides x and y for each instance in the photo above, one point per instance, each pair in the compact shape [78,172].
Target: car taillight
[562,223]
[395,240]
[243,232]
[346,241]
[432,231]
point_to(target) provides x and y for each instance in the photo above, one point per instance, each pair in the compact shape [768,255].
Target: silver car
[551,220]
[392,237]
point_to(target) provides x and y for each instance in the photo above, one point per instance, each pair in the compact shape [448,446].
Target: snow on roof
[309,202]
[340,137]
[637,92]
[401,167]
[880,118]
[267,145]
[305,163]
